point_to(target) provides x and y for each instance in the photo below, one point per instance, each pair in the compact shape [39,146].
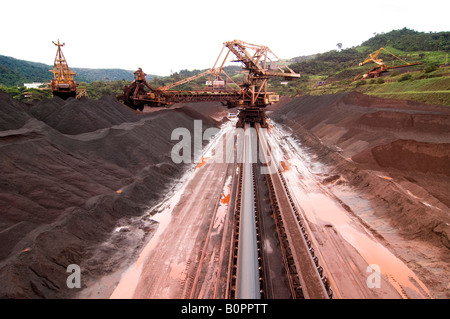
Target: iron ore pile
[370,142]
[366,138]
[71,171]
[396,153]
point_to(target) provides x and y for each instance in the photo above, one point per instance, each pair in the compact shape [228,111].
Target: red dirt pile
[394,153]
[366,138]
[70,171]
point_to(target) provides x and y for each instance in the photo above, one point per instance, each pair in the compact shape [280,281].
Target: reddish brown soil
[395,152]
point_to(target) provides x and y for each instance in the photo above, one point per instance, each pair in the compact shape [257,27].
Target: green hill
[333,71]
[410,40]
[322,73]
[15,72]
[409,44]
[92,75]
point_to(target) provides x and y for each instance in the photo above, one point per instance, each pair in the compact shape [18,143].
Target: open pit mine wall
[363,138]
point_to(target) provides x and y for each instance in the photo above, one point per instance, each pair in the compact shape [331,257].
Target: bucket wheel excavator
[63,83]
[251,97]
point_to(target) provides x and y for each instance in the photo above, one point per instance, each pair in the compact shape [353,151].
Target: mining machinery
[251,97]
[381,67]
[63,83]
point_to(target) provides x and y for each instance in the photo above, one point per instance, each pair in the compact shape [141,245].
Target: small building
[34,85]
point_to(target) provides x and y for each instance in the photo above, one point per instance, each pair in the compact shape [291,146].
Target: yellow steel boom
[382,66]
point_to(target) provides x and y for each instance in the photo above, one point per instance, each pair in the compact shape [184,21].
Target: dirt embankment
[215,110]
[70,171]
[397,152]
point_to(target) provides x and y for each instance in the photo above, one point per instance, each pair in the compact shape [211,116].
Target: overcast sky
[165,36]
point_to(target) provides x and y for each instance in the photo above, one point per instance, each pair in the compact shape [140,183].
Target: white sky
[170,35]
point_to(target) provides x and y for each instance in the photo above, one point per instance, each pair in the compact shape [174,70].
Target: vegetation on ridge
[323,73]
[334,71]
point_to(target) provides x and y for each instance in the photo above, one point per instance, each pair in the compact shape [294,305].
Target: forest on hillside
[406,42]
[410,40]
[333,66]
[15,72]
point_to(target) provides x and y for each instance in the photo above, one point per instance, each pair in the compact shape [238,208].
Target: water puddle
[130,278]
[398,274]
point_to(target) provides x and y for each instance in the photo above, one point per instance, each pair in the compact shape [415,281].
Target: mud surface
[396,153]
[78,175]
[72,172]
